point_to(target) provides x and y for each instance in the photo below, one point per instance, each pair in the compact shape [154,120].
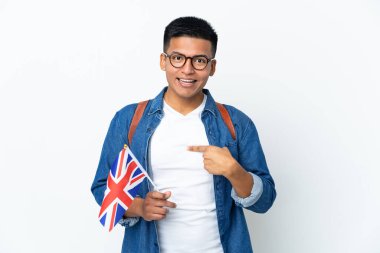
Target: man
[204,176]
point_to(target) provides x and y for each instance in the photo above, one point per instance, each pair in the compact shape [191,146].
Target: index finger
[197,148]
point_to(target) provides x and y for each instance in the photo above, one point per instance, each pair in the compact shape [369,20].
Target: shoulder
[127,110]
[237,116]
[124,115]
[241,121]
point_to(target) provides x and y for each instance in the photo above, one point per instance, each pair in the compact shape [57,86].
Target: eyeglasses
[199,62]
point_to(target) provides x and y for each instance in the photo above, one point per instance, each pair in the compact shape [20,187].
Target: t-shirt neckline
[196,111]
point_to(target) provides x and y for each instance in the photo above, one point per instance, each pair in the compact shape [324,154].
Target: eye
[200,60]
[177,57]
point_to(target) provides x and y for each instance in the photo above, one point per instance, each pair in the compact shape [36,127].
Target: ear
[213,67]
[163,62]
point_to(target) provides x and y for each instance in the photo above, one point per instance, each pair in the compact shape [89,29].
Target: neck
[183,105]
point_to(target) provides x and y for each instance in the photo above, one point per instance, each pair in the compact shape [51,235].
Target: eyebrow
[175,52]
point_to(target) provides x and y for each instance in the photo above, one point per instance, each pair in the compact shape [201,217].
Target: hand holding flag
[123,182]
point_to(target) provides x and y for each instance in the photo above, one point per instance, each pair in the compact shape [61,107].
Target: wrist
[135,210]
[234,171]
[139,207]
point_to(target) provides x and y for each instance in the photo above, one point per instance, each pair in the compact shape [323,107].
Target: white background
[306,71]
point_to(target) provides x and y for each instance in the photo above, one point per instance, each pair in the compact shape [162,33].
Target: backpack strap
[136,119]
[227,119]
[141,108]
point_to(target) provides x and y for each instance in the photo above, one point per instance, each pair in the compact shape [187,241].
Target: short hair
[191,27]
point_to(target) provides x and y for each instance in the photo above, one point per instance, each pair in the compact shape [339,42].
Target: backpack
[141,108]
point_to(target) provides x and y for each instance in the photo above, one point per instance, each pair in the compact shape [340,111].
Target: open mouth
[186,82]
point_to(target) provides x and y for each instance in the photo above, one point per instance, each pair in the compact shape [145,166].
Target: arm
[257,197]
[112,145]
[219,161]
[252,159]
[153,207]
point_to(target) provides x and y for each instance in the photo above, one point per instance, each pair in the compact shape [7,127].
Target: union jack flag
[123,182]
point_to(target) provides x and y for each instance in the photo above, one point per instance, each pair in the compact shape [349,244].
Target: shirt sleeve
[257,190]
[128,222]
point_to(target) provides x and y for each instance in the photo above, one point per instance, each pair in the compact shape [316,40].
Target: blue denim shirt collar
[157,103]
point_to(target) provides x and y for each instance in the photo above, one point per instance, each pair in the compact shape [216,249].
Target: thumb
[167,195]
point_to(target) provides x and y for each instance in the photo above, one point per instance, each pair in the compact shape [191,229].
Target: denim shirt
[141,235]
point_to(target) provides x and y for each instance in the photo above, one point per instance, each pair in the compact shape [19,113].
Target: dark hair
[191,27]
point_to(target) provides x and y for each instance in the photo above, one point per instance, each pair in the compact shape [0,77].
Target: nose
[188,67]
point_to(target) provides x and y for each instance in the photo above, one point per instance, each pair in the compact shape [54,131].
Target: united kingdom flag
[123,182]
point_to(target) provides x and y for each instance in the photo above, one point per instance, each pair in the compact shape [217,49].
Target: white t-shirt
[191,226]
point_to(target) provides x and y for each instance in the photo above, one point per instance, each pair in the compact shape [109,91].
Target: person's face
[186,82]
